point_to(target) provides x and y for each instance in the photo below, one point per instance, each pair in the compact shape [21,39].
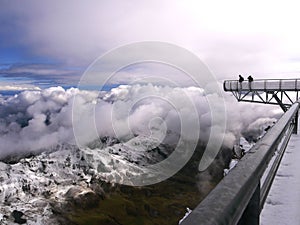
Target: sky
[45,44]
[48,43]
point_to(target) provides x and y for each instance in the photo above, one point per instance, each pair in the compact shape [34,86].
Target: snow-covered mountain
[39,186]
[44,173]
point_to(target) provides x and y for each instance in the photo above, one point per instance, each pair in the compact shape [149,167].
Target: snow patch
[188,212]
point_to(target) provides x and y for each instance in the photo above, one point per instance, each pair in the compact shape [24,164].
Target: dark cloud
[42,74]
[230,38]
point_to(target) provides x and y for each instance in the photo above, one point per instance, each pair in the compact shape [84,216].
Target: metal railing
[239,197]
[263,85]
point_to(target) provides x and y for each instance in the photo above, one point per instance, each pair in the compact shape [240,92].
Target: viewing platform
[263,85]
[282,92]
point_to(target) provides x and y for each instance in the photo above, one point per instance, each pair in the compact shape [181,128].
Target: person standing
[241,79]
[250,78]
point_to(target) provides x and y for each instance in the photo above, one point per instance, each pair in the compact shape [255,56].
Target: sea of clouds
[36,120]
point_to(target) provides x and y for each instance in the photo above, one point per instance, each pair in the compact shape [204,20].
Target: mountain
[66,184]
[62,177]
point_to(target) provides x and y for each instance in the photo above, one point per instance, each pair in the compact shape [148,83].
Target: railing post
[295,131]
[252,211]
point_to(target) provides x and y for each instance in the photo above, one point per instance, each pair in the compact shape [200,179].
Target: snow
[243,147]
[283,203]
[232,164]
[188,212]
[34,183]
[246,146]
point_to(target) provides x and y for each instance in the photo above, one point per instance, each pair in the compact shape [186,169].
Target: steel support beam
[252,211]
[283,107]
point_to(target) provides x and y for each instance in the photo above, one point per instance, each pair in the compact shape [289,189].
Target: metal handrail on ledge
[262,85]
[237,198]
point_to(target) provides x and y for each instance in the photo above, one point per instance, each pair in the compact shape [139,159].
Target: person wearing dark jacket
[250,79]
[241,79]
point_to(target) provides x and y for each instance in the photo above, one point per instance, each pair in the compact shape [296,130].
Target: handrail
[227,202]
[273,79]
[266,186]
[262,85]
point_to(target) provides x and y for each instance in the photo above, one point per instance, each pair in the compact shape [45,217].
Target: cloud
[230,37]
[35,120]
[157,73]
[18,88]
[41,74]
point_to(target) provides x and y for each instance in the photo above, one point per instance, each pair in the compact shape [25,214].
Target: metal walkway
[263,85]
[282,92]
[240,196]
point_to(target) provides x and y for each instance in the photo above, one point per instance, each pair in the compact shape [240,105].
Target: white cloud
[18,88]
[36,120]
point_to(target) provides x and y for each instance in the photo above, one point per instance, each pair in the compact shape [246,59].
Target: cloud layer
[35,120]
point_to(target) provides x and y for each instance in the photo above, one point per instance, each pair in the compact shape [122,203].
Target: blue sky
[53,42]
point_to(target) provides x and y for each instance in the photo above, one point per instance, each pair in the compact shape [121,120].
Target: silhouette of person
[241,79]
[250,79]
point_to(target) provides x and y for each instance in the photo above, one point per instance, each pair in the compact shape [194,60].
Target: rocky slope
[50,188]
[34,189]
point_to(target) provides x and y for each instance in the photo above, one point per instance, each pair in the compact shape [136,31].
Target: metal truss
[282,92]
[282,98]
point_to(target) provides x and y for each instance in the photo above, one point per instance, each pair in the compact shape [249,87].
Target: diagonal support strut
[284,108]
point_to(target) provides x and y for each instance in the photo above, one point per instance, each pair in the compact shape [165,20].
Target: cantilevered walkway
[282,92]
